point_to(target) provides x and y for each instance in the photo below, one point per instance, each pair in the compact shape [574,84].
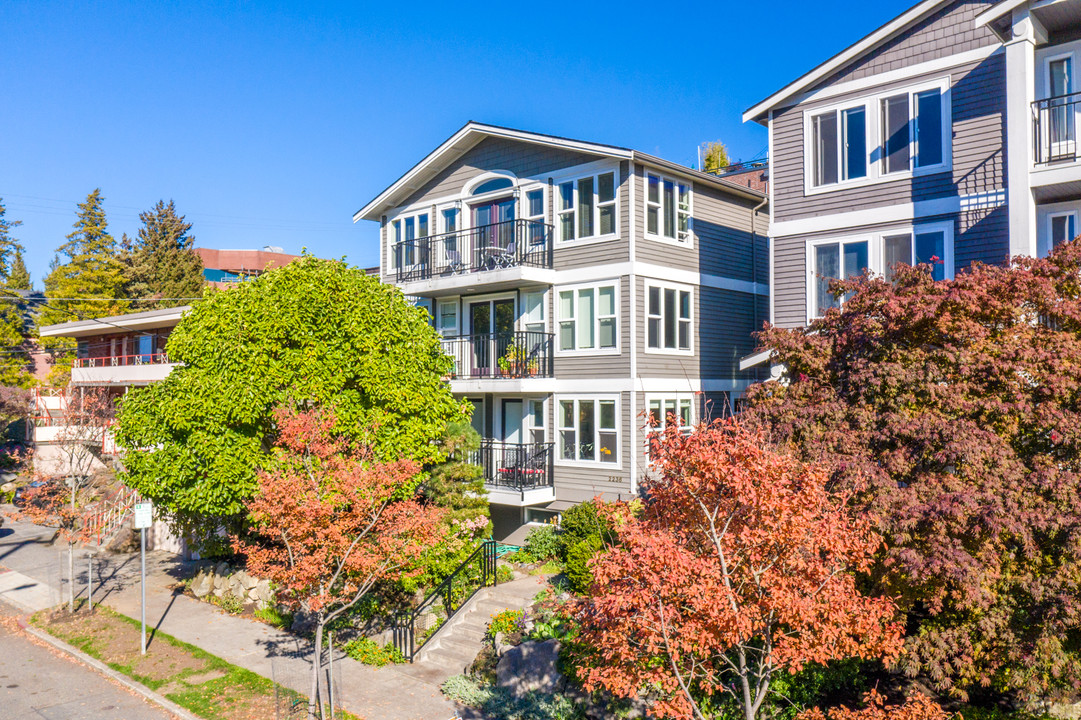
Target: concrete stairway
[456,644]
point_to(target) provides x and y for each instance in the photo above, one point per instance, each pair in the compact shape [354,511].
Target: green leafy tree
[160,264]
[714,156]
[314,331]
[19,277]
[10,248]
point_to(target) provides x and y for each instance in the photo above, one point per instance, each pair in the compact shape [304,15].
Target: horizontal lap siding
[725,326]
[978,116]
[521,158]
[789,282]
[982,235]
[722,228]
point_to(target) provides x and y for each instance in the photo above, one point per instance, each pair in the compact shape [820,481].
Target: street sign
[144,515]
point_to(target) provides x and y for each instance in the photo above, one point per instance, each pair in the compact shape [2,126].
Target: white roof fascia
[843,58]
[112,324]
[470,129]
[996,11]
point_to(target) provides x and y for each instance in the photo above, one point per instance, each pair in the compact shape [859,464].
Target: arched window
[499,183]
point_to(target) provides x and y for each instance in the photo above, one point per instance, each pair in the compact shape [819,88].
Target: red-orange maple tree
[917,707]
[329,523]
[738,566]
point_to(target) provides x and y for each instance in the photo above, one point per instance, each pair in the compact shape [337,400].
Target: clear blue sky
[270,124]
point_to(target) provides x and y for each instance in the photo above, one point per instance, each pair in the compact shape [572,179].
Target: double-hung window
[534,216]
[668,208]
[586,207]
[915,248]
[911,131]
[533,312]
[668,318]
[833,261]
[664,410]
[587,318]
[448,318]
[588,430]
[839,145]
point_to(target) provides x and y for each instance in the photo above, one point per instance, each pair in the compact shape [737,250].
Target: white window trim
[1047,71]
[678,397]
[873,129]
[659,237]
[456,330]
[544,419]
[557,199]
[557,428]
[874,253]
[402,217]
[645,315]
[521,321]
[556,319]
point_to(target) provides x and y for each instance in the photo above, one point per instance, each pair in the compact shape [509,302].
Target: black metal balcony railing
[516,466]
[507,244]
[519,354]
[1054,128]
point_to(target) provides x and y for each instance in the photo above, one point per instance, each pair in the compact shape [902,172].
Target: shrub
[503,574]
[500,704]
[369,652]
[506,622]
[228,602]
[542,543]
[581,522]
[576,563]
[271,615]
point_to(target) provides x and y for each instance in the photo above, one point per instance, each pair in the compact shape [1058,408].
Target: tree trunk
[317,662]
[71,577]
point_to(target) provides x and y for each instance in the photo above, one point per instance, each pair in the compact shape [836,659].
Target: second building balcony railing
[516,466]
[1054,129]
[519,354]
[508,244]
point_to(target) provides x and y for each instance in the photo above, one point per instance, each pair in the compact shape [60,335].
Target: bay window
[587,318]
[668,208]
[668,318]
[588,430]
[586,207]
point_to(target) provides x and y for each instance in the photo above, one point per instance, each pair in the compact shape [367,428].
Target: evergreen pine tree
[457,484]
[90,283]
[14,346]
[160,265]
[19,277]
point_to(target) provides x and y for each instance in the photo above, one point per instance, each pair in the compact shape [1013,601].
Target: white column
[1020,92]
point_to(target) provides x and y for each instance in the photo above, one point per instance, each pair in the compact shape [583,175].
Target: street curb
[108,671]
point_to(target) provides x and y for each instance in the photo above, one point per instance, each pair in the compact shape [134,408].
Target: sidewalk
[372,693]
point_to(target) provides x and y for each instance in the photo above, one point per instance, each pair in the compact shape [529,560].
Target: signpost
[144,518]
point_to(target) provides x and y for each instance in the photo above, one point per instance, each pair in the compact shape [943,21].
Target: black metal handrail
[516,466]
[415,628]
[518,354]
[511,243]
[1054,128]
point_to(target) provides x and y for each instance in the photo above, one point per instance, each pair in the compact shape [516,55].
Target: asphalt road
[38,682]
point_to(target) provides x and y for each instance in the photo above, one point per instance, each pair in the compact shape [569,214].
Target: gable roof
[759,112]
[472,133]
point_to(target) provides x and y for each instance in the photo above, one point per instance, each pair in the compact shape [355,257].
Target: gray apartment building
[948,135]
[580,288]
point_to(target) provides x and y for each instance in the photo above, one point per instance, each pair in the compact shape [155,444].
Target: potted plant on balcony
[517,361]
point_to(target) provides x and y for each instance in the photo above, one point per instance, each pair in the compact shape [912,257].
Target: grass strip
[219,690]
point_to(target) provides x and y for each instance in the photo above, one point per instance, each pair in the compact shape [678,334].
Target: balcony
[517,473]
[501,355]
[140,369]
[461,257]
[1054,129]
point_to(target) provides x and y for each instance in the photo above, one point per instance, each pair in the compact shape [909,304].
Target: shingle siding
[948,31]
